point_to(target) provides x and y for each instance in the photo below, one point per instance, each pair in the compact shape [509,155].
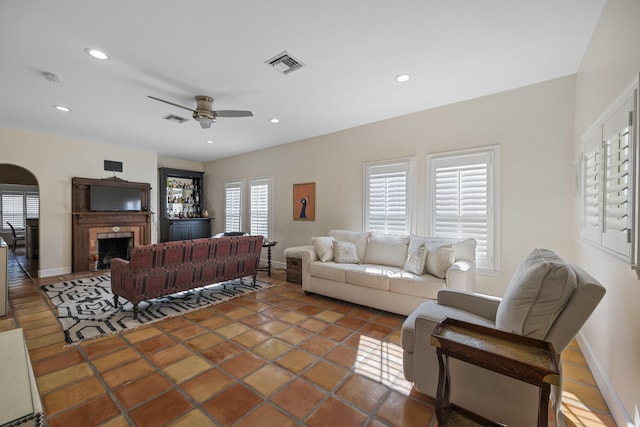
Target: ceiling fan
[204,112]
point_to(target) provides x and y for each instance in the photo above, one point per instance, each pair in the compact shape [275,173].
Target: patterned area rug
[86,310]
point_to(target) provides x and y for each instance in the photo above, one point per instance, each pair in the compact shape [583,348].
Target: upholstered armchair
[547,299]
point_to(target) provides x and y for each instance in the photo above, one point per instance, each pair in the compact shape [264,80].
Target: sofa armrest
[308,255]
[461,275]
[119,264]
[121,275]
[481,305]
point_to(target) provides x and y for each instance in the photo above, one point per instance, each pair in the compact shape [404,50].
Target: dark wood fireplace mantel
[88,226]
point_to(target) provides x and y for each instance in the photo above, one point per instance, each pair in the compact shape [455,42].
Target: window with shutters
[463,201]
[17,204]
[13,210]
[260,207]
[388,196]
[607,169]
[32,202]
[233,206]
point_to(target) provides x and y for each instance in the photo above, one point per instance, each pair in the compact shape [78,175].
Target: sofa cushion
[416,255]
[329,270]
[387,249]
[359,238]
[424,286]
[345,253]
[462,248]
[536,294]
[439,259]
[371,276]
[465,249]
[323,247]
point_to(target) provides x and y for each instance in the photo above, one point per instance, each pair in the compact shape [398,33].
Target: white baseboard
[54,272]
[618,412]
[274,264]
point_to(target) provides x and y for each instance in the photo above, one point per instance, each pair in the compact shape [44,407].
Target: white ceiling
[352,50]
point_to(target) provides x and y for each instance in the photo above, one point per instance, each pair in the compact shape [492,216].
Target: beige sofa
[546,299]
[389,272]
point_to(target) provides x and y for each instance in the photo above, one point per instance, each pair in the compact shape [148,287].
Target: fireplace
[113,247]
[116,232]
[103,243]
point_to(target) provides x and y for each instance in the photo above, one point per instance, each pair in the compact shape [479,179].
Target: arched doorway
[20,205]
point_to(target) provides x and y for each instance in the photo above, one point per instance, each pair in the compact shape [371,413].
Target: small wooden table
[526,359]
[268,245]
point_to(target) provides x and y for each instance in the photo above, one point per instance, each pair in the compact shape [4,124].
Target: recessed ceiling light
[209,141]
[403,78]
[98,54]
[274,120]
[62,108]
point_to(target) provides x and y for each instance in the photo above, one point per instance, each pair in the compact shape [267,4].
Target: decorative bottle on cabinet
[182,194]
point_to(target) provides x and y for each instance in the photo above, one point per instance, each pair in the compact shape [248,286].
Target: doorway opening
[20,207]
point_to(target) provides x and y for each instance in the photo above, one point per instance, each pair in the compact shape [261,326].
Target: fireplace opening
[116,247]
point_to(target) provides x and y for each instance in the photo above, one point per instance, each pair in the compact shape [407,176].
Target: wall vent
[284,63]
[174,118]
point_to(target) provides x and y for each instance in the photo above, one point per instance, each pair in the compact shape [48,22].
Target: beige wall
[612,335]
[533,127]
[189,165]
[54,161]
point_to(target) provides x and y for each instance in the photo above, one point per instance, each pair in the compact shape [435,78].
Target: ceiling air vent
[175,119]
[284,63]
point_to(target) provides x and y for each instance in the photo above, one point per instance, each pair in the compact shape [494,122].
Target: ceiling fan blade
[170,103]
[233,113]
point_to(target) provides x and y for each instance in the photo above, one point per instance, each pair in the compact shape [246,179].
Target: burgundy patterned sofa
[166,268]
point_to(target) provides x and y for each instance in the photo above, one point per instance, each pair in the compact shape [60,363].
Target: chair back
[13,230]
[584,299]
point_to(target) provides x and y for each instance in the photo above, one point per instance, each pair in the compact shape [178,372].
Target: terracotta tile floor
[273,358]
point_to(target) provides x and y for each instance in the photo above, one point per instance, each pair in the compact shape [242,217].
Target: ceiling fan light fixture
[205,122]
[97,54]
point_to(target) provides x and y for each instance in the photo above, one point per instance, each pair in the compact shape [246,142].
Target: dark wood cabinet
[184,229]
[181,205]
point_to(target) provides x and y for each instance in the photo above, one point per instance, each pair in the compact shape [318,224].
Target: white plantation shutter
[616,192]
[233,206]
[462,201]
[591,187]
[260,207]
[13,210]
[32,201]
[387,197]
[606,181]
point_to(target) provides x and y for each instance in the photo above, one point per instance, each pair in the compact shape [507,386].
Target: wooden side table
[268,245]
[523,358]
